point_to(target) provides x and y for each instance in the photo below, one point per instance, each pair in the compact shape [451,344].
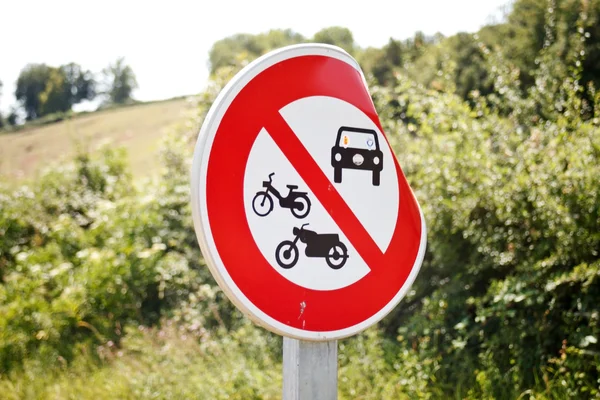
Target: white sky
[167,42]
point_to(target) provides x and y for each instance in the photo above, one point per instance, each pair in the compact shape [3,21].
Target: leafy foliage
[511,282]
[338,36]
[31,82]
[119,82]
[243,46]
[44,90]
[77,266]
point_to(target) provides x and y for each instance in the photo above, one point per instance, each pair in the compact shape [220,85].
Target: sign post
[301,209]
[309,370]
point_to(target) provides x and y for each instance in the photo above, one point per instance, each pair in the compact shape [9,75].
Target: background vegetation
[104,292]
[47,94]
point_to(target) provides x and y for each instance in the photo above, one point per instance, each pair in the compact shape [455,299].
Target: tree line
[533,30]
[43,90]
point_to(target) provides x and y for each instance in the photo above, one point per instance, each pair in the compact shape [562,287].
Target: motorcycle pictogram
[297,202]
[326,246]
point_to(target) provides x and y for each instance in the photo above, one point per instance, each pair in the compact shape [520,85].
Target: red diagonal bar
[325,192]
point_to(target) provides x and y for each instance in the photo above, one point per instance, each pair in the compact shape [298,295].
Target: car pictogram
[356,148]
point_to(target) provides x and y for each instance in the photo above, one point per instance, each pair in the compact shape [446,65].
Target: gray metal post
[309,370]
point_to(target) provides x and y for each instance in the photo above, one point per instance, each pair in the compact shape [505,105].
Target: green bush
[85,253]
[509,290]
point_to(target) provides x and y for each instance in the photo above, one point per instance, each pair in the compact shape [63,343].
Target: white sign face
[272,213]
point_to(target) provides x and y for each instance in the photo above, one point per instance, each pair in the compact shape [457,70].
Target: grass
[158,364]
[172,363]
[138,128]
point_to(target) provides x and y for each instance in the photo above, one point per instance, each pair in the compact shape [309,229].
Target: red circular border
[260,99]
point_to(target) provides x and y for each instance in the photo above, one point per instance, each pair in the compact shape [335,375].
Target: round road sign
[301,209]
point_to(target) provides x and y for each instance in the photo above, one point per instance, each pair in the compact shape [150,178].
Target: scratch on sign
[302,307]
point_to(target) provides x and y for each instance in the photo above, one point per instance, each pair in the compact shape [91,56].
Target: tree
[225,52]
[337,36]
[12,117]
[80,84]
[393,52]
[228,51]
[66,86]
[30,84]
[43,89]
[276,38]
[369,59]
[470,73]
[120,82]
[382,62]
[54,98]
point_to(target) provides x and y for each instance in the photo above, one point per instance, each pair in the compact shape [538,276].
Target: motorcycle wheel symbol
[286,254]
[337,255]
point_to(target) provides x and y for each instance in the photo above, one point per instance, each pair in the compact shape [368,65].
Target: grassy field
[138,128]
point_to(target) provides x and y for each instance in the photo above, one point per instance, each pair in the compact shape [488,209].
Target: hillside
[138,128]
